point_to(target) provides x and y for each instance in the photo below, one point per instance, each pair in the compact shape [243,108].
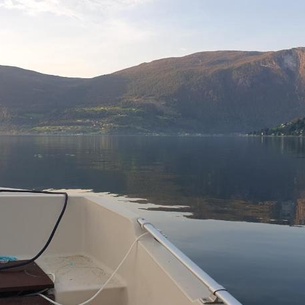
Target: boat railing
[218,293]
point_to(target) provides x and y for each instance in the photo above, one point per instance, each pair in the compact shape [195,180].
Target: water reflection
[225,178]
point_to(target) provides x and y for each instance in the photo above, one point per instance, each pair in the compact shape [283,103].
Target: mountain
[207,92]
[293,128]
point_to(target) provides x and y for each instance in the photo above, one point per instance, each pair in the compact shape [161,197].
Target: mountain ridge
[204,92]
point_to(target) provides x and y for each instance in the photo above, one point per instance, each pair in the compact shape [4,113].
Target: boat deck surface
[78,278]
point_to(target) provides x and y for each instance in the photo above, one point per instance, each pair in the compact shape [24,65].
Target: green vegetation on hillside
[107,119]
[294,128]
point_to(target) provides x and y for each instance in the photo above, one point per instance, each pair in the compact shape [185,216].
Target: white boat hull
[93,238]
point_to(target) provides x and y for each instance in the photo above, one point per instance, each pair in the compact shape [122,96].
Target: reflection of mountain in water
[227,178]
[285,212]
[300,212]
[236,210]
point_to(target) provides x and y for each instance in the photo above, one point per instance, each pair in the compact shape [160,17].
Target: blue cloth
[6,259]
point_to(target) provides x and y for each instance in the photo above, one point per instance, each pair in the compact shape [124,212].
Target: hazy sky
[86,38]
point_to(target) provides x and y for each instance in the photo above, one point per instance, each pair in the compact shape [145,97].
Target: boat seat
[17,283]
[78,278]
[25,300]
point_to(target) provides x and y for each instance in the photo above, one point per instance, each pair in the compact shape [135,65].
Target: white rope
[106,283]
[53,276]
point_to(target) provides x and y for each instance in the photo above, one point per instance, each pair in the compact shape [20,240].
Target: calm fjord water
[236,205]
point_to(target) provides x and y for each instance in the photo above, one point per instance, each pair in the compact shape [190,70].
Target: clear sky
[86,38]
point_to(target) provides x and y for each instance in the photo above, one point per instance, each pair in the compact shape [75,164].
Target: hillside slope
[292,128]
[208,92]
[226,91]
